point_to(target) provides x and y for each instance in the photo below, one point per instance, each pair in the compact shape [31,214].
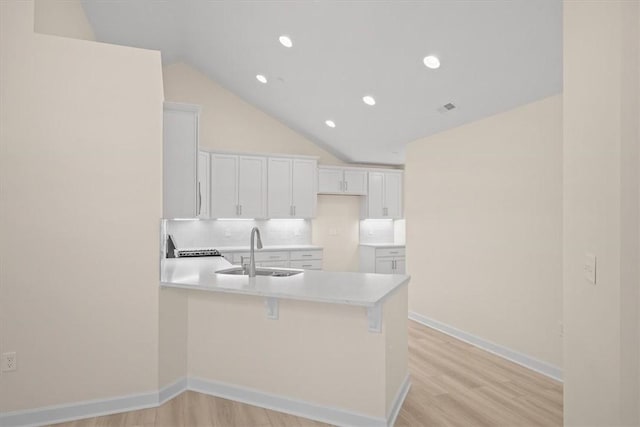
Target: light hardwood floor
[453,384]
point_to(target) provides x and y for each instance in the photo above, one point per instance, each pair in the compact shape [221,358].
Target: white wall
[484,228]
[229,123]
[601,212]
[80,189]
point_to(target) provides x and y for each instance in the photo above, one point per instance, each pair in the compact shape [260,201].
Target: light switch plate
[590,268]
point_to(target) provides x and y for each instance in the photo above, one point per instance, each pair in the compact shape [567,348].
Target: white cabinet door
[384,196]
[393,195]
[279,188]
[304,195]
[355,182]
[179,161]
[399,266]
[384,265]
[252,187]
[224,186]
[204,178]
[330,180]
[375,196]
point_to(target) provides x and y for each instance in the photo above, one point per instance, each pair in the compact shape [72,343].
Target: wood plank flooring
[453,384]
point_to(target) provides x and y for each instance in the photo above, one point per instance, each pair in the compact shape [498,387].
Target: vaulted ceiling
[494,55]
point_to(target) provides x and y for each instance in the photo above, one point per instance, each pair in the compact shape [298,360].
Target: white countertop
[383,245]
[362,289]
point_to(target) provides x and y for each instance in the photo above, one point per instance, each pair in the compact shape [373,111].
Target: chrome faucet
[252,256]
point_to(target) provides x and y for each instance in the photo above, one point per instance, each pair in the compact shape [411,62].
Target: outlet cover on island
[9,362]
[590,268]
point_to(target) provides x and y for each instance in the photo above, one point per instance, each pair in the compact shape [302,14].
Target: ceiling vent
[446,108]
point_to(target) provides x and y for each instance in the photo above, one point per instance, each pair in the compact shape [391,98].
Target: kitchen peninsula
[330,346]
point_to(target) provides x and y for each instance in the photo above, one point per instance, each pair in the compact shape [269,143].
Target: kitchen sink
[262,271]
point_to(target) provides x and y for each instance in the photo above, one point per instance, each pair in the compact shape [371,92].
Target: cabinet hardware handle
[393,264]
[346,186]
[307,265]
[306,254]
[240,209]
[294,210]
[393,252]
[274,256]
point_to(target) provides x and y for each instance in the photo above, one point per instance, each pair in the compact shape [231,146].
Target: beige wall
[80,188]
[229,123]
[484,228]
[315,352]
[172,348]
[64,18]
[601,212]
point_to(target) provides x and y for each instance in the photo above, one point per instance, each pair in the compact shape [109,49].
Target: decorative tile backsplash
[221,233]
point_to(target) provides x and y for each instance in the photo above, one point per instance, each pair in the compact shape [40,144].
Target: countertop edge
[404,282]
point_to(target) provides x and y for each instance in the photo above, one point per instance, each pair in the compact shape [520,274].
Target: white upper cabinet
[180,153]
[204,179]
[338,180]
[252,187]
[355,182]
[238,186]
[384,198]
[393,194]
[291,188]
[224,186]
[330,180]
[279,188]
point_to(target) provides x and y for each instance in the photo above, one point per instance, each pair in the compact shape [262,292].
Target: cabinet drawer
[275,264]
[272,256]
[312,264]
[395,252]
[261,256]
[306,255]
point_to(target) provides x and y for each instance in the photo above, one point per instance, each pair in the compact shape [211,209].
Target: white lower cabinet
[306,259]
[311,264]
[386,260]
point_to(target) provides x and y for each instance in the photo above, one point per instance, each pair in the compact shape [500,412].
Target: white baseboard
[335,416]
[75,411]
[96,408]
[170,391]
[504,352]
[398,401]
[91,408]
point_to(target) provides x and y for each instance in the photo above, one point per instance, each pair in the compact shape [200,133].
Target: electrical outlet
[9,361]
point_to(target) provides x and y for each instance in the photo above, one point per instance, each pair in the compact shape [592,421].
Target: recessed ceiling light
[285,41]
[431,62]
[261,78]
[330,123]
[368,100]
